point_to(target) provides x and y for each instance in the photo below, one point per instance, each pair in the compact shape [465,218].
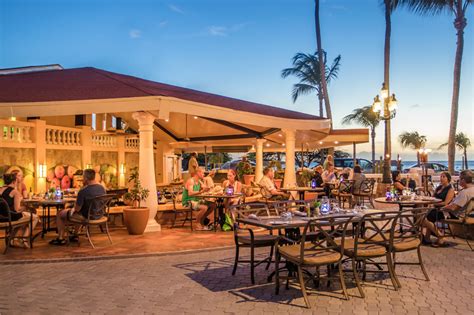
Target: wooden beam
[256,134]
[169,133]
[269,132]
[223,137]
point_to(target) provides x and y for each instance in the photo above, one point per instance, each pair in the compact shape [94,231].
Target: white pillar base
[152,226]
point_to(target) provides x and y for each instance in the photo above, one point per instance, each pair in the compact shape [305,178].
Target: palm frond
[301,89]
[426,7]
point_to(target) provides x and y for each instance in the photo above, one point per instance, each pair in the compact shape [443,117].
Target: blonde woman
[231,181]
[329,161]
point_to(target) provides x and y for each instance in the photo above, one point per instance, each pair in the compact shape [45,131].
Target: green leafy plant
[307,175]
[244,168]
[137,194]
[316,204]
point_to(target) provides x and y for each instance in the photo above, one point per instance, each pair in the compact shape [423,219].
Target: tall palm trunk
[388,141]
[320,98]
[372,135]
[459,23]
[322,63]
[418,157]
[465,159]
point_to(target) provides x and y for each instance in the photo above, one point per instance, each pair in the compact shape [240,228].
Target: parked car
[366,165]
[436,167]
[233,164]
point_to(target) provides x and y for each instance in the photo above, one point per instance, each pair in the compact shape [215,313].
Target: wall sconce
[88,166]
[42,171]
[122,169]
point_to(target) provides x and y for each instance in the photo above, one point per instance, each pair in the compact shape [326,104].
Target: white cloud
[163,23]
[135,33]
[217,30]
[175,8]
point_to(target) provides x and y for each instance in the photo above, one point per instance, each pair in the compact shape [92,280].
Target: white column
[121,161]
[259,159]
[290,174]
[40,153]
[86,141]
[147,166]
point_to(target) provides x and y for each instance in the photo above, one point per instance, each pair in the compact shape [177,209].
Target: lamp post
[386,107]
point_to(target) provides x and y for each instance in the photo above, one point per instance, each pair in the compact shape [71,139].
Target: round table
[409,203]
[302,190]
[219,198]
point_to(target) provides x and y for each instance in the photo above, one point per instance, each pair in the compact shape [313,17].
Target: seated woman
[396,182]
[445,192]
[236,186]
[192,188]
[357,177]
[329,177]
[13,198]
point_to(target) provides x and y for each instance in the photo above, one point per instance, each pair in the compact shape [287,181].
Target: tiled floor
[201,283]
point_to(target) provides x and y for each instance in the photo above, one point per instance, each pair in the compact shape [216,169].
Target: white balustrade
[104,141]
[63,136]
[16,131]
[132,143]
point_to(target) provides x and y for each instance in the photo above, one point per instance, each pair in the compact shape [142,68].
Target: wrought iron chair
[97,215]
[179,208]
[465,220]
[316,252]
[365,191]
[11,226]
[406,235]
[372,239]
[247,238]
[344,192]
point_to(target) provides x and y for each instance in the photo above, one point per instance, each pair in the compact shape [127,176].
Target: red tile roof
[91,83]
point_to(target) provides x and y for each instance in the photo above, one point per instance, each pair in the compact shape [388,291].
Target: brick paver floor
[202,283]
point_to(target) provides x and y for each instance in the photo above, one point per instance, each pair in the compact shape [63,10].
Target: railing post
[86,142]
[40,153]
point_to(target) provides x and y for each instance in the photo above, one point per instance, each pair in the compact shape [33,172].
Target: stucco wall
[131,160]
[99,158]
[64,157]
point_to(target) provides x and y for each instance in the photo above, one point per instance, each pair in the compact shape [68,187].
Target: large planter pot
[278,183]
[135,219]
[248,179]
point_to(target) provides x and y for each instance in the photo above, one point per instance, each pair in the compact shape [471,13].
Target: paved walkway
[202,283]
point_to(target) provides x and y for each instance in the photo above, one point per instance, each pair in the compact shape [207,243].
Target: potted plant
[279,173]
[306,177]
[136,217]
[249,175]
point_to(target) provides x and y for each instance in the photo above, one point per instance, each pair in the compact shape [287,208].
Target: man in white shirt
[464,196]
[269,189]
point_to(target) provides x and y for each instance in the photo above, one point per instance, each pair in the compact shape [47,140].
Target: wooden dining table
[408,203]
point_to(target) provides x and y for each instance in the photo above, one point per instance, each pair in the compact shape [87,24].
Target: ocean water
[457,164]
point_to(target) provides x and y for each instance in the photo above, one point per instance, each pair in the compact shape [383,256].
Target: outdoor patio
[201,282]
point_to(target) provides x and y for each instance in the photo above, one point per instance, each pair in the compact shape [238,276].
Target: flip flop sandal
[58,242]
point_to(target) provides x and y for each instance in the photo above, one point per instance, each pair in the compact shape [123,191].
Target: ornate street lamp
[386,107]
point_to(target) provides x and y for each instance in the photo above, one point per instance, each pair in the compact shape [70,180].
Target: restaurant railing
[63,136]
[106,141]
[132,143]
[16,131]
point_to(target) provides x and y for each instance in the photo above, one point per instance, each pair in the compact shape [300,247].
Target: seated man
[90,190]
[209,179]
[461,201]
[193,187]
[269,189]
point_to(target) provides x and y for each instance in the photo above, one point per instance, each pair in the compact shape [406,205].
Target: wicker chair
[10,227]
[97,215]
[372,239]
[316,252]
[245,237]
[406,235]
[465,220]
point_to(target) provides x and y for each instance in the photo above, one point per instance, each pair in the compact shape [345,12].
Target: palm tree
[458,8]
[306,68]
[322,69]
[414,141]
[462,142]
[366,117]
